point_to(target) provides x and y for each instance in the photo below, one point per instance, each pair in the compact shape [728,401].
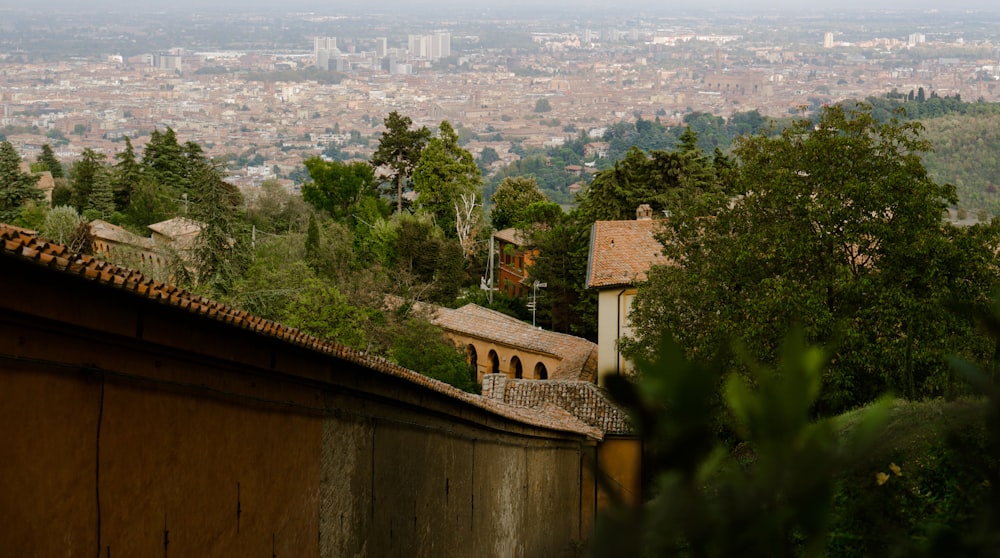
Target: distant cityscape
[268,93]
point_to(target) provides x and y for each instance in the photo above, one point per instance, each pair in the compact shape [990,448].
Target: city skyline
[643,7]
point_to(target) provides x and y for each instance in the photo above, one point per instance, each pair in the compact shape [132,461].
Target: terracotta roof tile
[584,400]
[621,252]
[578,357]
[25,245]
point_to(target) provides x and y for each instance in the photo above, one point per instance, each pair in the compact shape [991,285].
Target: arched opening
[516,368]
[541,372]
[494,362]
[472,358]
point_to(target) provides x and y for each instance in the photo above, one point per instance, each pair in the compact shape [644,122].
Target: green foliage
[338,187]
[664,180]
[543,105]
[423,347]
[837,229]
[221,250]
[102,198]
[563,243]
[429,265]
[487,157]
[312,239]
[63,225]
[511,199]
[276,210]
[84,176]
[549,172]
[33,215]
[445,174]
[125,176]
[771,497]
[49,162]
[399,150]
[319,308]
[149,203]
[16,187]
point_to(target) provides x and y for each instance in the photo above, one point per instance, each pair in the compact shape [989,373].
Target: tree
[16,187]
[102,198]
[510,200]
[48,159]
[149,203]
[423,347]
[312,239]
[666,180]
[126,175]
[276,210]
[487,157]
[838,229]
[443,175]
[221,250]
[543,105]
[399,151]
[563,242]
[63,225]
[84,176]
[338,187]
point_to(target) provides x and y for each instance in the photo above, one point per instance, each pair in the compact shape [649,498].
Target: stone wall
[134,427]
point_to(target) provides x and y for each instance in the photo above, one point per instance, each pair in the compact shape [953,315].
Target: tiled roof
[176,227]
[107,231]
[25,245]
[578,357]
[584,400]
[512,235]
[621,252]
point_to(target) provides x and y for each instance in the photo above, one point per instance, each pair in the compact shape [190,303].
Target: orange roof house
[621,253]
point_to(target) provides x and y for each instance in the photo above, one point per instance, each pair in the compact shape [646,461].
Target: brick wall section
[587,402]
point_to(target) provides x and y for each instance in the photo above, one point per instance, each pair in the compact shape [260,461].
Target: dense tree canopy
[16,187]
[446,180]
[837,228]
[337,187]
[511,200]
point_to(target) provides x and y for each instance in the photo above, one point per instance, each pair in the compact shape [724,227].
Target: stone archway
[472,357]
[516,369]
[494,363]
[541,372]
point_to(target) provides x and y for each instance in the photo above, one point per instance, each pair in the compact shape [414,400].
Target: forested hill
[967,154]
[965,136]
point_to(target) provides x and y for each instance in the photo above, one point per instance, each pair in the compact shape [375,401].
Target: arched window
[516,368]
[494,362]
[541,372]
[473,359]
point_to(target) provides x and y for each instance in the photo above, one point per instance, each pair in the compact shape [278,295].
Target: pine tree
[126,175]
[399,149]
[84,175]
[48,159]
[221,251]
[16,187]
[102,198]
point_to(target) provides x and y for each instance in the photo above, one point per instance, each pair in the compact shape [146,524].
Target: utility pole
[534,298]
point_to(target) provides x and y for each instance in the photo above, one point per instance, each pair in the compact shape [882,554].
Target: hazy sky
[652,7]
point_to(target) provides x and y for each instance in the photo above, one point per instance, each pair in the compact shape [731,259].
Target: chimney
[644,212]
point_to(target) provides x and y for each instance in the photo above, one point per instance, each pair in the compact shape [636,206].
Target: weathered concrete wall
[132,428]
